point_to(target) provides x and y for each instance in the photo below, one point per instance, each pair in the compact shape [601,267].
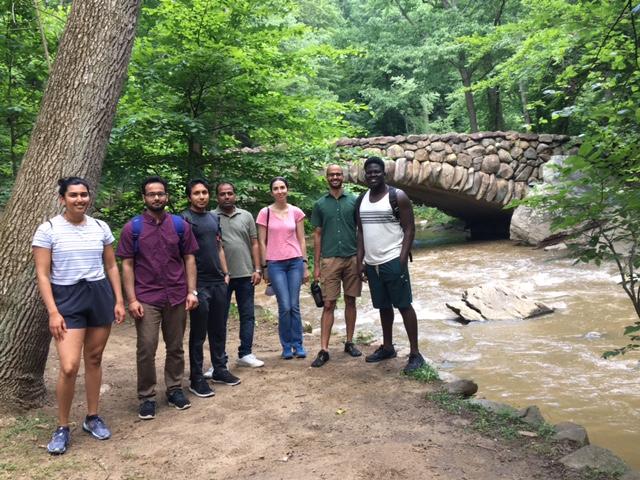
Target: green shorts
[390,285]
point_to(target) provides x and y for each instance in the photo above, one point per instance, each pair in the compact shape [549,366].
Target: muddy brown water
[554,361]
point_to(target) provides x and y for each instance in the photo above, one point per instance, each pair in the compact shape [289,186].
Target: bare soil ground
[347,420]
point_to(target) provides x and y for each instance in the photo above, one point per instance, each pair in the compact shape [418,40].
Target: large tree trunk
[465,74]
[496,118]
[69,138]
[522,86]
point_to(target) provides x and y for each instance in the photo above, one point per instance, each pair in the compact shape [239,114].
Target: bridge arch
[468,176]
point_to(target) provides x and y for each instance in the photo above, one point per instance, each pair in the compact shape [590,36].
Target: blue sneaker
[299,352]
[59,441]
[287,354]
[96,427]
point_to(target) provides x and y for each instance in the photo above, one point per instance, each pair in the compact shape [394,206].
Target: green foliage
[425,374]
[431,215]
[597,195]
[208,82]
[23,74]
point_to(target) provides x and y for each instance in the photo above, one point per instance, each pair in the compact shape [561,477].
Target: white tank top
[382,233]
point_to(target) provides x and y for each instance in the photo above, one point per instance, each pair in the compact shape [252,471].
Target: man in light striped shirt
[384,245]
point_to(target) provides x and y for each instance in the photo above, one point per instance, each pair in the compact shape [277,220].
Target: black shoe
[147,410]
[415,362]
[321,359]
[225,376]
[350,348]
[201,388]
[381,354]
[178,399]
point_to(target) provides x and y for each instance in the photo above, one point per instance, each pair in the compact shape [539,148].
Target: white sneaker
[208,374]
[250,361]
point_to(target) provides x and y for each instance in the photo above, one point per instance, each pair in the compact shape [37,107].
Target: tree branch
[404,12]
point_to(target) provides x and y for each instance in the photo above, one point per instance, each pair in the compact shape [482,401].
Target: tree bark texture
[465,75]
[496,118]
[69,138]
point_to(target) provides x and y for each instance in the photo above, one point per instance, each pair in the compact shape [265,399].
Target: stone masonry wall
[496,167]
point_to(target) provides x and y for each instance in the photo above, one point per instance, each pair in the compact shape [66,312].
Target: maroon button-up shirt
[158,266]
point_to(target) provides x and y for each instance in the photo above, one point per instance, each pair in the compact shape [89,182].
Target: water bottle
[316,293]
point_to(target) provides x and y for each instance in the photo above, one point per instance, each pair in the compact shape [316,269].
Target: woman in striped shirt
[79,284]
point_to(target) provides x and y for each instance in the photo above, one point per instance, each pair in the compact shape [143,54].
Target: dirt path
[347,420]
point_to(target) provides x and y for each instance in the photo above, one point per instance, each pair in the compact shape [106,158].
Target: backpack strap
[178,225]
[356,209]
[266,233]
[393,201]
[136,231]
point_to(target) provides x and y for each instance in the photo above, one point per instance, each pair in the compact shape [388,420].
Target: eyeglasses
[155,194]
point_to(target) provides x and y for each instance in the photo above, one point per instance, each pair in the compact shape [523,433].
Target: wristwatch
[257,270]
[194,293]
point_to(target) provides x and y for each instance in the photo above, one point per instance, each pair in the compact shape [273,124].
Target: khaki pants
[172,321]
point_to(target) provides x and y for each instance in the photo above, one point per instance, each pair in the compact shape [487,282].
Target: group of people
[194,262]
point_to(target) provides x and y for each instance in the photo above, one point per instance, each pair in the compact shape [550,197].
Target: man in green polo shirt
[335,248]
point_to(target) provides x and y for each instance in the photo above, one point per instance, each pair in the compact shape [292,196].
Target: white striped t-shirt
[76,250]
[381,231]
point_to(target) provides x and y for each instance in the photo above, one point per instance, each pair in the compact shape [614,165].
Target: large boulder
[496,302]
[461,388]
[533,227]
[529,226]
[571,432]
[596,458]
[531,415]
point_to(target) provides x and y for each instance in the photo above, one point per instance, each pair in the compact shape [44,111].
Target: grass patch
[503,424]
[22,452]
[424,374]
[364,337]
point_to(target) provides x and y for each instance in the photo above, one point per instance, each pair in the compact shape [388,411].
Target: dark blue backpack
[136,231]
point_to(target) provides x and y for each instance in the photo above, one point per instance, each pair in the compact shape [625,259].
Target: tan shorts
[337,270]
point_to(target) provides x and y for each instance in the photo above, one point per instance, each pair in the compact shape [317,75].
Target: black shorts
[85,304]
[389,285]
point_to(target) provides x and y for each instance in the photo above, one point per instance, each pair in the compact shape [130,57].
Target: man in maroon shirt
[159,274]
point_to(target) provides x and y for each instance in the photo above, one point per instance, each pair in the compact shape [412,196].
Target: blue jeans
[244,299]
[286,278]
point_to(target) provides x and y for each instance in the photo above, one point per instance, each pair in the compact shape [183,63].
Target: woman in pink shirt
[284,257]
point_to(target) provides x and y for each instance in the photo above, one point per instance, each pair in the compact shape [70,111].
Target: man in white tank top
[384,245]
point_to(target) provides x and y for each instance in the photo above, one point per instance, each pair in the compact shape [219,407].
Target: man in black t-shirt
[208,320]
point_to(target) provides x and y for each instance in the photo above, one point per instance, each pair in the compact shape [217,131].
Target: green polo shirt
[336,218]
[238,230]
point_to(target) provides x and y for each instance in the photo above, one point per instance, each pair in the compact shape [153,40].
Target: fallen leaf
[341,411]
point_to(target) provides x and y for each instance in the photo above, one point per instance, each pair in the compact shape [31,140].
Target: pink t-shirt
[282,242]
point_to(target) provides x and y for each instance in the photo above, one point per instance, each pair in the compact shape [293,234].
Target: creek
[553,361]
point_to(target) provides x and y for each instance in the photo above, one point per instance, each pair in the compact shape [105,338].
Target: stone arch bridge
[468,176]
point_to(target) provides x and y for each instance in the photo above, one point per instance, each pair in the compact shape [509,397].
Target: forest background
[246,90]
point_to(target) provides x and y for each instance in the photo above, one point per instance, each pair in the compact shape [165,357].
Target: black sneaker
[415,362]
[201,388]
[226,377]
[321,359]
[147,410]
[381,354]
[350,348]
[178,399]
